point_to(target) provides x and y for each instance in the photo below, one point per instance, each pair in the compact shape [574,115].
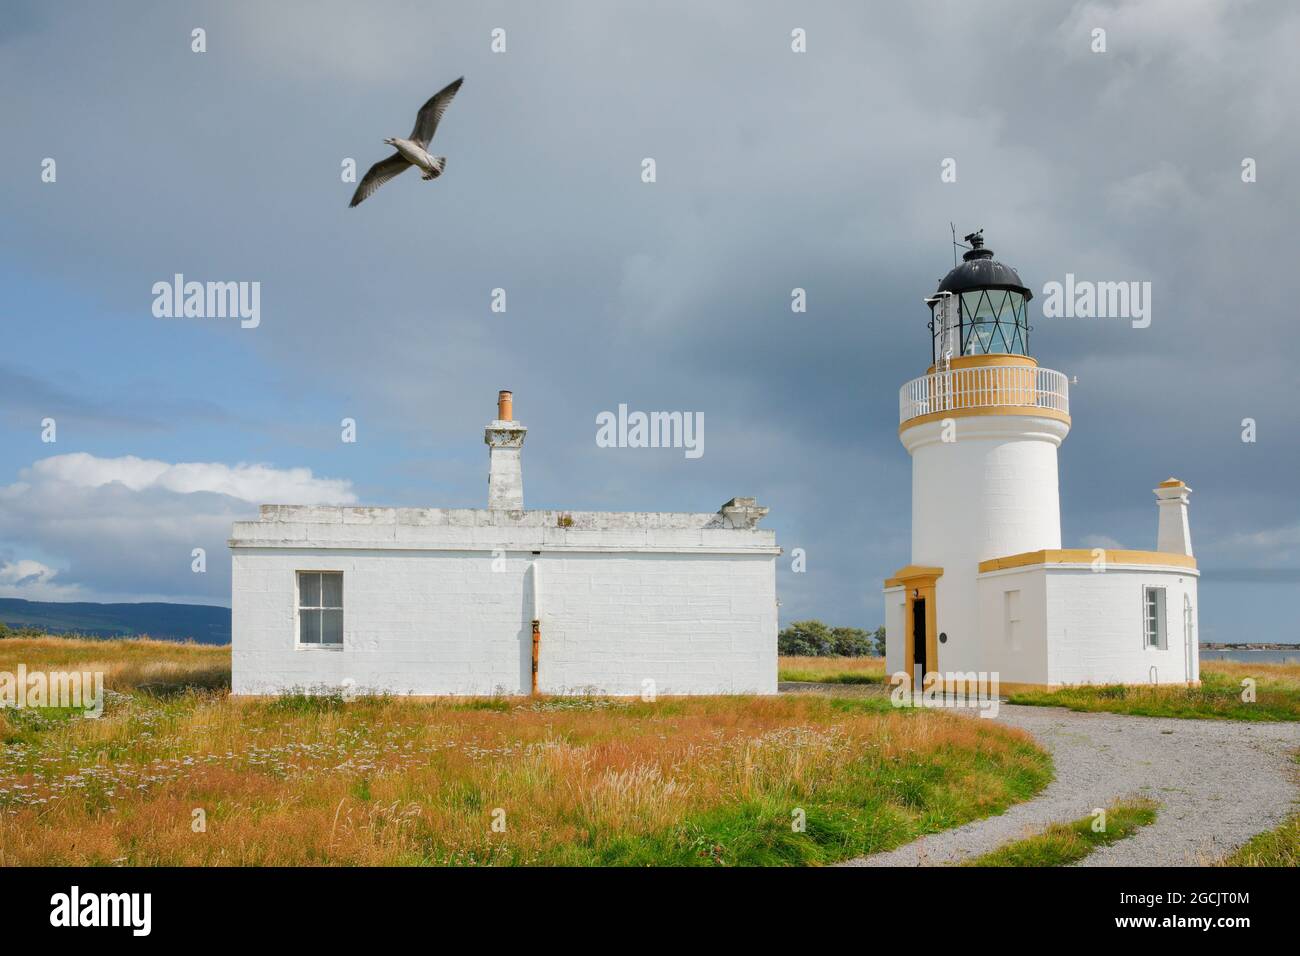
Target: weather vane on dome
[974,240]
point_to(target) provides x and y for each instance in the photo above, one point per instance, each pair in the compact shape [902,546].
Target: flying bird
[412,151]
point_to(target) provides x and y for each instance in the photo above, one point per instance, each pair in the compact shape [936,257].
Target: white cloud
[256,484]
[1268,548]
[1101,541]
[34,581]
[124,529]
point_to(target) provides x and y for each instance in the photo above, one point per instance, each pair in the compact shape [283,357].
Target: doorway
[920,610]
[918,642]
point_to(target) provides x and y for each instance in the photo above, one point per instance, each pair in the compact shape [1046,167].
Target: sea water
[1289,656]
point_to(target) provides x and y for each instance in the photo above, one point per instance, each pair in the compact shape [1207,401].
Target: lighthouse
[988,587]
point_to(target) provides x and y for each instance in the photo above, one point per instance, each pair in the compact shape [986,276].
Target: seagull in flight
[412,151]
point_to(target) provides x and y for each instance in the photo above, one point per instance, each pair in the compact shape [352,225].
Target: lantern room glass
[991,321]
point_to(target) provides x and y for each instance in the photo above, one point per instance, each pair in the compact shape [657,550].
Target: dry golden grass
[304,780]
[127,665]
[833,670]
[1282,676]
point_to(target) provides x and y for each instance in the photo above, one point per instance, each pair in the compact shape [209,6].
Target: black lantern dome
[979,307]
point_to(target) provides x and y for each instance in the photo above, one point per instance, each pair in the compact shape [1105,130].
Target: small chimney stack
[505,440]
[1173,534]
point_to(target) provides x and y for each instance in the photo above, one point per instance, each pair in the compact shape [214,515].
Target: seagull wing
[426,121]
[380,173]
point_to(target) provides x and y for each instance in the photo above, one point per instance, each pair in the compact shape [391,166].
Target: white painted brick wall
[1076,627]
[1084,627]
[895,635]
[1095,632]
[1021,658]
[443,622]
[991,493]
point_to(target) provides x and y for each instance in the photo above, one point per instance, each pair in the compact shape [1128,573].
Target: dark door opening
[918,638]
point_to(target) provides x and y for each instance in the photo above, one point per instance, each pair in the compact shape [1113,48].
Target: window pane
[331,590]
[997,301]
[308,589]
[332,628]
[1012,334]
[1160,616]
[309,627]
[1154,617]
[979,339]
[1000,341]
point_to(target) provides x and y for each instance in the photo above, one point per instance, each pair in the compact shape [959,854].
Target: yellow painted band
[1029,410]
[986,361]
[914,575]
[1086,556]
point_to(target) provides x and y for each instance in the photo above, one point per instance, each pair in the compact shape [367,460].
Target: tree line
[815,639]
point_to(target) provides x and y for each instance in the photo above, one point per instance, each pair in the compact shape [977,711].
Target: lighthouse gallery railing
[984,386]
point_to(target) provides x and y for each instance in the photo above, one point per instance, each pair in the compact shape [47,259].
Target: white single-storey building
[501,600]
[989,588]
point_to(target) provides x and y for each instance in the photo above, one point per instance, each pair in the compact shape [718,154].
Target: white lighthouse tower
[988,584]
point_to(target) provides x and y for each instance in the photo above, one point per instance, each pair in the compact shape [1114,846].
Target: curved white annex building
[989,588]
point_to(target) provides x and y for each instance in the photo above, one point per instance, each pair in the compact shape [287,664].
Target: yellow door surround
[919,584]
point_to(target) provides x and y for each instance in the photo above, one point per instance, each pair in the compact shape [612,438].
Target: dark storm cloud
[775,171]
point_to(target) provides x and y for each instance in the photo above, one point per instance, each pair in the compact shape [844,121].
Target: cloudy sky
[775,170]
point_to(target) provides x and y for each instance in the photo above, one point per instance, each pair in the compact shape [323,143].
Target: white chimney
[505,440]
[1173,535]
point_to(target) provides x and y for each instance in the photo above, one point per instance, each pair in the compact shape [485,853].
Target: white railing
[983,387]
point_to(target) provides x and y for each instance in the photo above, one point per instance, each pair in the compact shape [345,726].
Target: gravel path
[1218,784]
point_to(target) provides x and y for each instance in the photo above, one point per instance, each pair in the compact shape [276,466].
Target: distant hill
[177,622]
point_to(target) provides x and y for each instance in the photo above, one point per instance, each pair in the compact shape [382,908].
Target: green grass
[813,677]
[869,809]
[1280,847]
[1219,697]
[1062,844]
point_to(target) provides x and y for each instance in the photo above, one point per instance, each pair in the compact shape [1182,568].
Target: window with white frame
[1153,605]
[320,608]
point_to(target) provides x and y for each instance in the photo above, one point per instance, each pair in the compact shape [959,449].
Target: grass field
[177,772]
[1065,843]
[1277,690]
[1277,695]
[832,670]
[127,665]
